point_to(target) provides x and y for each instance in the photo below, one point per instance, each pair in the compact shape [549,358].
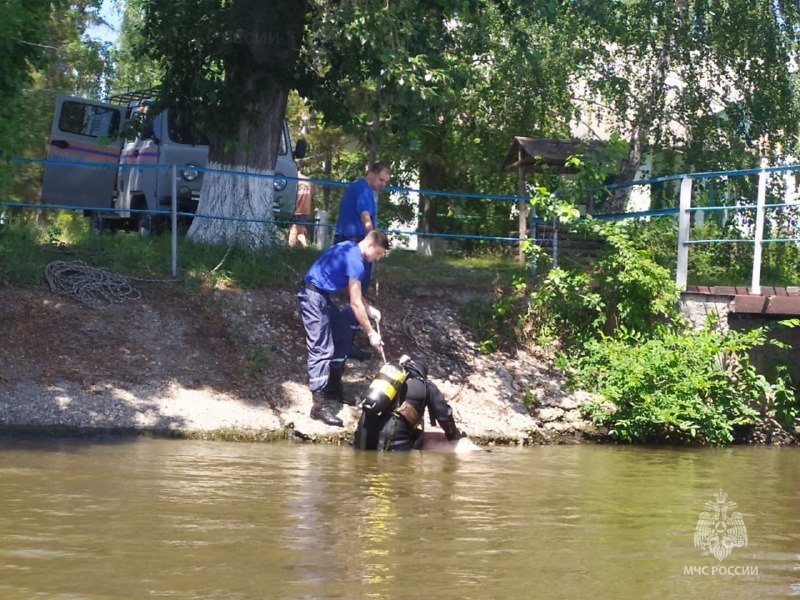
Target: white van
[120,182]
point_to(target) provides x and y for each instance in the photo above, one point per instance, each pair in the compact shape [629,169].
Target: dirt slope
[231,363]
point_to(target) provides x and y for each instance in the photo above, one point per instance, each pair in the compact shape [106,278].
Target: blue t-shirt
[334,267]
[358,197]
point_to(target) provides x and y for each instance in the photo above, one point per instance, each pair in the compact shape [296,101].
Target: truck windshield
[180,131]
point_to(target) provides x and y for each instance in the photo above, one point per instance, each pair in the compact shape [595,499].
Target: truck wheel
[97,224]
[102,222]
[149,224]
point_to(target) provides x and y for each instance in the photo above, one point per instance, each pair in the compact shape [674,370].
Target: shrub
[624,339]
[625,288]
[683,387]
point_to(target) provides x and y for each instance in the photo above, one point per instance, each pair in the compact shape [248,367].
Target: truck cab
[113,159]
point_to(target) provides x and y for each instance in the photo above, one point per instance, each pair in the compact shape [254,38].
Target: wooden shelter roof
[545,154]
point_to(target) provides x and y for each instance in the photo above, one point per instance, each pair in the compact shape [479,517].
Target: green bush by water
[678,386]
[620,335]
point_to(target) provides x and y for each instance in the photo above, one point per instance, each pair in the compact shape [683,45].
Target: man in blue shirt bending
[328,328]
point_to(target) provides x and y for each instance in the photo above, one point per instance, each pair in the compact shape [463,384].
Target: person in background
[302,210]
[328,328]
[400,425]
[358,211]
[358,208]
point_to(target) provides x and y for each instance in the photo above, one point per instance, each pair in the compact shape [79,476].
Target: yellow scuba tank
[384,389]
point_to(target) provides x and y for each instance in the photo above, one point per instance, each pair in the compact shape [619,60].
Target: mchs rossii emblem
[719,531]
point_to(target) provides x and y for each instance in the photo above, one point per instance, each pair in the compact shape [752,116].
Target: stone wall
[698,307]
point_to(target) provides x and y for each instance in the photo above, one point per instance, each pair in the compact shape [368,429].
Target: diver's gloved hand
[451,432]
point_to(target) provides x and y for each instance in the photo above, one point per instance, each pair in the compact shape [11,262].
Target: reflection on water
[135,518]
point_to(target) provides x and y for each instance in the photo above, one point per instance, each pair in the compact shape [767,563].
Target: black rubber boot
[323,409]
[334,389]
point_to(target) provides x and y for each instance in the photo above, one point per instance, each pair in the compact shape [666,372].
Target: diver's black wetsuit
[401,428]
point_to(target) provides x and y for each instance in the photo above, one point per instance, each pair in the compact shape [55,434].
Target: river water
[144,518]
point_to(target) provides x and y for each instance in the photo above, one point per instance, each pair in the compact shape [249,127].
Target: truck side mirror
[300,149]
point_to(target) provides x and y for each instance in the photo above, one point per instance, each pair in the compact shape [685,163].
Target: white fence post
[758,235]
[321,231]
[684,223]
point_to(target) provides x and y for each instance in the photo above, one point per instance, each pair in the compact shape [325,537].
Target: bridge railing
[752,219]
[759,234]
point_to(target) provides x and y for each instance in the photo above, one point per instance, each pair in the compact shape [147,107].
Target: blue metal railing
[683,211]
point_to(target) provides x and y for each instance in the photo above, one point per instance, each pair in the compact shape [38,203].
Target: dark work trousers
[328,335]
[352,325]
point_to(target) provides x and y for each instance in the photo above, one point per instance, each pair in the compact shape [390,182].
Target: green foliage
[685,387]
[27,248]
[417,85]
[637,292]
[501,323]
[660,236]
[625,288]
[623,339]
[567,306]
[781,403]
[23,29]
[724,263]
[781,406]
[727,262]
[634,50]
[219,61]
[134,72]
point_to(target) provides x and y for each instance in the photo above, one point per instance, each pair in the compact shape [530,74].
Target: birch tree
[712,80]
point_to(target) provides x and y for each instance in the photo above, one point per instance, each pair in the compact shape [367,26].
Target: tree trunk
[241,206]
[239,202]
[628,169]
[432,170]
[650,105]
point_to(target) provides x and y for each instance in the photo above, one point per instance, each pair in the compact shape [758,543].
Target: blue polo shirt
[334,267]
[358,197]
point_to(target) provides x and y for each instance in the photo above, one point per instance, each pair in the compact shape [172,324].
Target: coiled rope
[93,286]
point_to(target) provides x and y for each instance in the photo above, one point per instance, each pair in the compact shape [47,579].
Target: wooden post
[522,206]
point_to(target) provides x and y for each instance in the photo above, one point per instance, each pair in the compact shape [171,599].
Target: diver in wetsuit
[399,425]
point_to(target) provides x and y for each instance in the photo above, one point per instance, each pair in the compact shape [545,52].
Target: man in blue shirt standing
[358,215]
[358,209]
[328,328]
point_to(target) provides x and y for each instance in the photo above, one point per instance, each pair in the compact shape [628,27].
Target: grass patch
[27,249]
